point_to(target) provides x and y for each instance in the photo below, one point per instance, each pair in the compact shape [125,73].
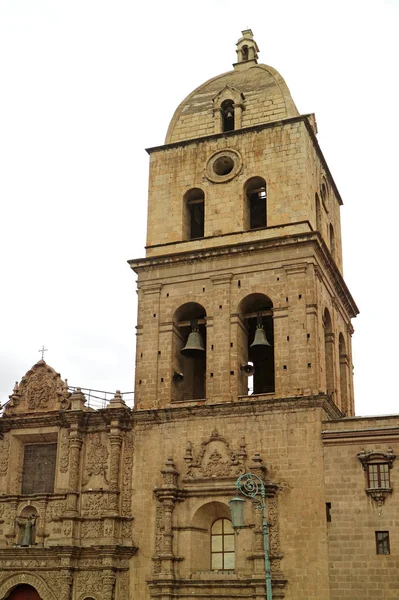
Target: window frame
[382,543]
[370,459]
[223,552]
[378,477]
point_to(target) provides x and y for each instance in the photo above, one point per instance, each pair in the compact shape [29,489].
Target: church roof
[258,89]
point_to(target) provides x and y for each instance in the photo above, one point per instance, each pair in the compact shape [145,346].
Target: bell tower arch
[241,292]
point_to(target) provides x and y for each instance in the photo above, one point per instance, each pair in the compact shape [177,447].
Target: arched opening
[256,345]
[189,348]
[323,193]
[26,523]
[194,214]
[244,52]
[212,538]
[23,592]
[332,241]
[328,352]
[343,374]
[318,213]
[256,200]
[227,110]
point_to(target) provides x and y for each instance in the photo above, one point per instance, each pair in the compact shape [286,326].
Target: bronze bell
[194,347]
[260,338]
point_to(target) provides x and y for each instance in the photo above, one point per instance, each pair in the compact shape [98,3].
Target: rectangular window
[378,475]
[382,542]
[38,473]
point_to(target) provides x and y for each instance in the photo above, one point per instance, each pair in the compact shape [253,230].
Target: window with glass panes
[378,475]
[382,542]
[222,546]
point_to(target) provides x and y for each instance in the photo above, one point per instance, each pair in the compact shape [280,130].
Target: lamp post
[252,487]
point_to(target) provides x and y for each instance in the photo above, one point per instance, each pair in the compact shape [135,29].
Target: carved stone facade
[137,495]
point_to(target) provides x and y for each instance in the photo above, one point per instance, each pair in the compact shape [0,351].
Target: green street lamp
[252,487]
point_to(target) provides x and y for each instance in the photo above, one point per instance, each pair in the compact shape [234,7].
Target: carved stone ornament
[368,458]
[96,460]
[64,450]
[127,474]
[4,454]
[94,504]
[215,459]
[41,389]
[38,582]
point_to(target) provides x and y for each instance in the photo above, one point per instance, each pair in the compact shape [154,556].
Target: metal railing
[98,399]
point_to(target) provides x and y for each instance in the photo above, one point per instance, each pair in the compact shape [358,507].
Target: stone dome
[255,93]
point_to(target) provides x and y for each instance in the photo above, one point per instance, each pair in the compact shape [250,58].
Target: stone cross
[42,350]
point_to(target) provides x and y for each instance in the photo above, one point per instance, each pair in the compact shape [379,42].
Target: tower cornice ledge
[310,237]
[242,407]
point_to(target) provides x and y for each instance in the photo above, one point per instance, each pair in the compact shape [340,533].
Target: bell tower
[241,292]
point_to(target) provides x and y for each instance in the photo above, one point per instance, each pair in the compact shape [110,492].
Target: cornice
[313,237]
[360,435]
[240,408]
[81,419]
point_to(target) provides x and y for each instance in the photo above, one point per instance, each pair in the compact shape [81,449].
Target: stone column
[167,496]
[75,445]
[108,586]
[115,440]
[220,340]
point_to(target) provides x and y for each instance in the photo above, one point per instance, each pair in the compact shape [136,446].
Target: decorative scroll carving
[127,474]
[64,450]
[89,583]
[215,459]
[56,510]
[274,532]
[4,454]
[92,529]
[94,504]
[123,585]
[376,457]
[96,458]
[126,529]
[40,389]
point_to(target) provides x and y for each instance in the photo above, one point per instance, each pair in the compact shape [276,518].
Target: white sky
[87,85]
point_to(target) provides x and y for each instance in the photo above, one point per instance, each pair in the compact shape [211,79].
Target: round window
[223,166]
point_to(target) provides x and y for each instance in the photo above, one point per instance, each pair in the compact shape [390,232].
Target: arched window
[328,352]
[256,341]
[324,193]
[194,208]
[24,592]
[222,546]
[343,374]
[244,53]
[203,551]
[26,523]
[255,197]
[332,241]
[189,348]
[318,213]
[227,109]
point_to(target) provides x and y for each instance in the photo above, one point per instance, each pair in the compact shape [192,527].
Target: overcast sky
[87,85]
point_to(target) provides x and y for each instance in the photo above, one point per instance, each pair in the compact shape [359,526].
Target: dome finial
[247,50]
